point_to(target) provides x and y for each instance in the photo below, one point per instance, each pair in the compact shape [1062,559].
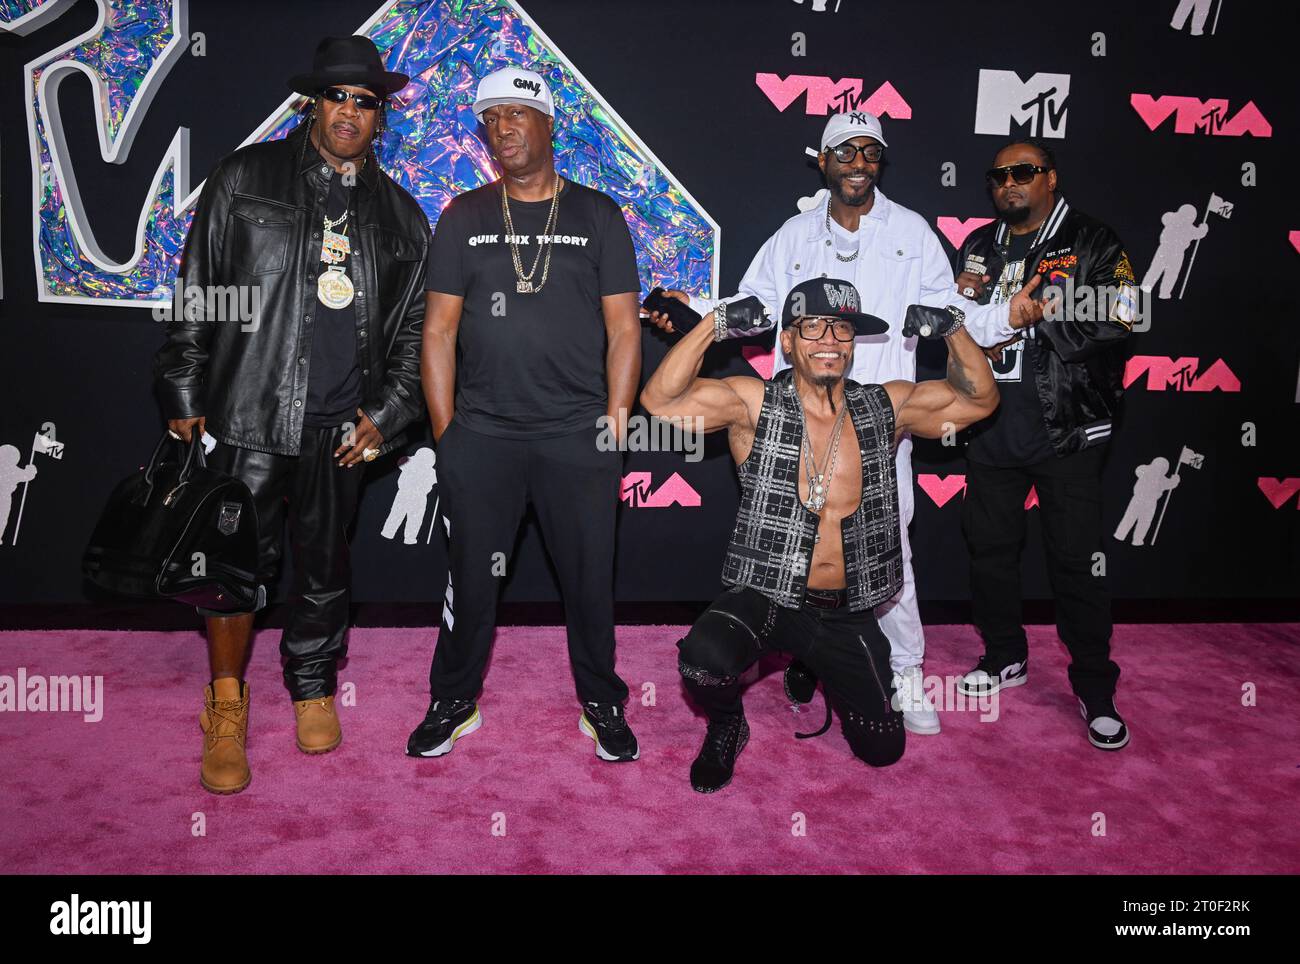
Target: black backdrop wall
[1216,373]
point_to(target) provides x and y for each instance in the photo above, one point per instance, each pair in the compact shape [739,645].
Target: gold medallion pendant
[334,289]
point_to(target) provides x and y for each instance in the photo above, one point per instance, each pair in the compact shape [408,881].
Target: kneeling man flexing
[816,544]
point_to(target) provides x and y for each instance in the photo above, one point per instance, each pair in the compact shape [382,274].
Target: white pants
[899,617]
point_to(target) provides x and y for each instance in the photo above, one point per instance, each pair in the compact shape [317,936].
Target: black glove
[932,322]
[744,318]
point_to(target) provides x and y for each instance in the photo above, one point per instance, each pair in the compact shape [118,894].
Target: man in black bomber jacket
[1060,382]
[324,378]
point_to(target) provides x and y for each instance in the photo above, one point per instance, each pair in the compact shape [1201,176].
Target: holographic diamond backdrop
[432,146]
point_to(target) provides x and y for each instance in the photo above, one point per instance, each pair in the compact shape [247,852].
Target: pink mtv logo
[942,488]
[957,231]
[762,360]
[1294,238]
[1192,115]
[636,492]
[1279,491]
[1180,374]
[826,96]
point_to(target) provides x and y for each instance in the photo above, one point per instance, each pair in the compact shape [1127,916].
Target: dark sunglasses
[1020,173]
[338,95]
[813,329]
[845,153]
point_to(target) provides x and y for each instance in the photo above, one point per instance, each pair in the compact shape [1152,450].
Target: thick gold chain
[514,248]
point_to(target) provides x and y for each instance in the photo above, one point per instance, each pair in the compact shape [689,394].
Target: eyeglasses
[814,328]
[1021,173]
[845,153]
[338,95]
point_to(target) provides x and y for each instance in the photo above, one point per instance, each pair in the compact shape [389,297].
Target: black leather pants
[319,500]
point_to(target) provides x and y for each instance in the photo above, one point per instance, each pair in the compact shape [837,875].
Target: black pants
[485,483]
[993,521]
[846,650]
[319,499]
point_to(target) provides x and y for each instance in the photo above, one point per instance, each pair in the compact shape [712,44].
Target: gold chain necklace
[524,282]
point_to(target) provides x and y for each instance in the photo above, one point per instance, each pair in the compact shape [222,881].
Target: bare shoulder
[899,392]
[750,391]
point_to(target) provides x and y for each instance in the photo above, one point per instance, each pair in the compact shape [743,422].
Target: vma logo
[1180,374]
[1193,115]
[1037,103]
[637,492]
[826,96]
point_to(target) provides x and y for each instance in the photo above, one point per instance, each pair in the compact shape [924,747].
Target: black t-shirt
[1015,434]
[532,365]
[334,386]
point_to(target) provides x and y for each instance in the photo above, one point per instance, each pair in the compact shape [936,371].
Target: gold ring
[369,455]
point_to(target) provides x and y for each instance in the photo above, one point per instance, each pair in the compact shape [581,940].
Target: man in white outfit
[894,259]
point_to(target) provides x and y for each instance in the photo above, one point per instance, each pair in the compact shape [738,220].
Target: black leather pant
[846,650]
[319,499]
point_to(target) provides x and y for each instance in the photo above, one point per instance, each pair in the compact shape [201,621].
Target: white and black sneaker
[445,723]
[988,677]
[607,725]
[1106,729]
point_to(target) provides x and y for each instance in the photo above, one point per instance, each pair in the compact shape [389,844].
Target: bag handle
[195,452]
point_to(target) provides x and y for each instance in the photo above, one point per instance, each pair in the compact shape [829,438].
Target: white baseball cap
[513,85]
[850,124]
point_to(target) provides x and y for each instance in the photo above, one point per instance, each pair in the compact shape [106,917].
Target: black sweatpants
[993,521]
[319,500]
[485,483]
[846,650]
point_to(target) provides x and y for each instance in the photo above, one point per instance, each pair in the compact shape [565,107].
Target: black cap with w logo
[830,298]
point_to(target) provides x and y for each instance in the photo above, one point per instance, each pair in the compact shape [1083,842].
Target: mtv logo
[1279,491]
[1193,115]
[636,492]
[1038,103]
[1180,374]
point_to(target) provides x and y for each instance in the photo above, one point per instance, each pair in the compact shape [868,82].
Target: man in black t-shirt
[1060,384]
[531,339]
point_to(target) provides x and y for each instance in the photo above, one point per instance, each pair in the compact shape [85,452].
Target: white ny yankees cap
[851,124]
[513,85]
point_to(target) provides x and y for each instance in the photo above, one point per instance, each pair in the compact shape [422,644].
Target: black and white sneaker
[607,725]
[988,677]
[716,762]
[445,723]
[1106,729]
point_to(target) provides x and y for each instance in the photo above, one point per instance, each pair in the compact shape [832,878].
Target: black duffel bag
[178,530]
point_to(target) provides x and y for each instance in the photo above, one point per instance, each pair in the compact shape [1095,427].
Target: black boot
[723,742]
[800,683]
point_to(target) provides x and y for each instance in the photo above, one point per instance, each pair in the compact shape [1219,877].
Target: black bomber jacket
[1077,358]
[259,222]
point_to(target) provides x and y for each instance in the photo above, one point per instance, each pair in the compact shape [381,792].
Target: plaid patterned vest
[772,546]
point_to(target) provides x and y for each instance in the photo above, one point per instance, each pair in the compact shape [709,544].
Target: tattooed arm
[968,395]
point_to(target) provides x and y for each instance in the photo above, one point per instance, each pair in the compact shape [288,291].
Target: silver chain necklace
[838,257]
[819,483]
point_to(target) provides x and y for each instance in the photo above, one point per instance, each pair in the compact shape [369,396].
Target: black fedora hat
[348,60]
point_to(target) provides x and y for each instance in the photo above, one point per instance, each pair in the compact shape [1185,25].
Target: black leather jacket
[1078,359]
[258,222]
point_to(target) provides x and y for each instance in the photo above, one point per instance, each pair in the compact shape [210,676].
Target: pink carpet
[1207,784]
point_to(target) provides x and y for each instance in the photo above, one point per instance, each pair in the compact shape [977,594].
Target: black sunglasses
[845,153]
[1020,173]
[338,95]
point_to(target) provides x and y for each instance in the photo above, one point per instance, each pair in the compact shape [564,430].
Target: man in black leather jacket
[1061,382]
[326,375]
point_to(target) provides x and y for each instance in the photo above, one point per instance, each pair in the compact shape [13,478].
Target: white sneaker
[919,715]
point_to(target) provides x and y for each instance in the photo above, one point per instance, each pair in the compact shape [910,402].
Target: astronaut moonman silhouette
[819,6]
[1198,9]
[1180,230]
[12,475]
[1150,485]
[417,479]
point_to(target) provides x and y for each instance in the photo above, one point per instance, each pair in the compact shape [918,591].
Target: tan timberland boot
[318,725]
[225,734]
